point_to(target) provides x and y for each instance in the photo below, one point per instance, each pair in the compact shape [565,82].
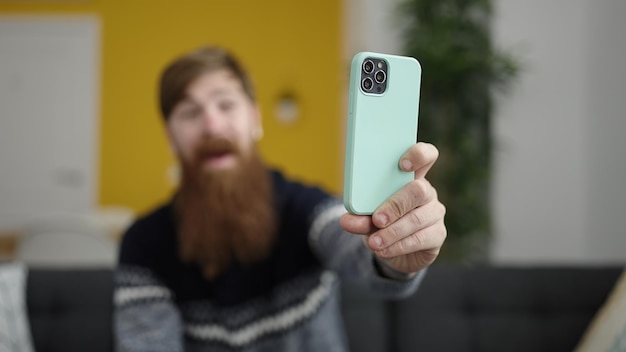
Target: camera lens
[380,76]
[367,84]
[368,66]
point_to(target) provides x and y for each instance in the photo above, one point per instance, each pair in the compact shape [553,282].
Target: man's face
[215,125]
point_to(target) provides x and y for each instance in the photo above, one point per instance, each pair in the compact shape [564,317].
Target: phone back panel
[381,128]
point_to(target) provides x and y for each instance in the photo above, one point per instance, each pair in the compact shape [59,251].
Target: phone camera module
[368,66]
[367,84]
[374,75]
[380,77]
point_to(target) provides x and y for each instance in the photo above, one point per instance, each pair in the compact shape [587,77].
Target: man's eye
[226,105]
[190,113]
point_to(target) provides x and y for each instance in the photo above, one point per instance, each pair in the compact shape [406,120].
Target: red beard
[225,216]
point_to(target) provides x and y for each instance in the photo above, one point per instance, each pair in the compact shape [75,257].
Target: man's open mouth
[218,159]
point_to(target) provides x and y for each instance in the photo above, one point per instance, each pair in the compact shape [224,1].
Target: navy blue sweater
[288,302]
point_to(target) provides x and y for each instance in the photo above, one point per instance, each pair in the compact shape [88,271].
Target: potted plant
[461,70]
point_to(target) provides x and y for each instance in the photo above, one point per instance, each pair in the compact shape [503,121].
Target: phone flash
[380,65]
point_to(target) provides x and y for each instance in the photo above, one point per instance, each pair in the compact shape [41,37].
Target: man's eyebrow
[187,99]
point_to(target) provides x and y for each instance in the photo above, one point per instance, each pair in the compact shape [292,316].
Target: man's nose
[211,122]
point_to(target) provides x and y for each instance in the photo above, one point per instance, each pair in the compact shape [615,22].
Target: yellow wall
[286,45]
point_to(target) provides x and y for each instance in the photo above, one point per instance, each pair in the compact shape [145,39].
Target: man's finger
[419,159]
[426,239]
[357,224]
[416,220]
[411,196]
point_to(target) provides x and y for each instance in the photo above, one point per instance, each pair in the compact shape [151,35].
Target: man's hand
[407,230]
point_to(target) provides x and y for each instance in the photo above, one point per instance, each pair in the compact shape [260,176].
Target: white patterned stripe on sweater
[125,295]
[278,322]
[325,217]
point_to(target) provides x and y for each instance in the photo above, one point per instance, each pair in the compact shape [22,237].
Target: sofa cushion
[501,309]
[71,309]
[365,318]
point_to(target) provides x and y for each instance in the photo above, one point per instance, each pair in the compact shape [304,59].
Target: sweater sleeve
[346,253]
[145,315]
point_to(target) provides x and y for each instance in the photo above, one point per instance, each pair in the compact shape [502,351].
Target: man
[245,259]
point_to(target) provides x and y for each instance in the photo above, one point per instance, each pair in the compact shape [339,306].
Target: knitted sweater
[288,302]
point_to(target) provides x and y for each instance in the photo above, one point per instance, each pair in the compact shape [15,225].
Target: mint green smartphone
[382,126]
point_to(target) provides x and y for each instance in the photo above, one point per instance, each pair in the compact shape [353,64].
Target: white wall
[539,193]
[558,195]
[559,166]
[371,25]
[606,124]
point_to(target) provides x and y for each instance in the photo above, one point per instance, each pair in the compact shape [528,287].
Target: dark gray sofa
[456,309]
[70,310]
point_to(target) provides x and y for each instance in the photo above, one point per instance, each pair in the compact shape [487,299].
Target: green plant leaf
[461,70]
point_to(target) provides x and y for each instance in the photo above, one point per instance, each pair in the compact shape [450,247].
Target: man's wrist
[385,270]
